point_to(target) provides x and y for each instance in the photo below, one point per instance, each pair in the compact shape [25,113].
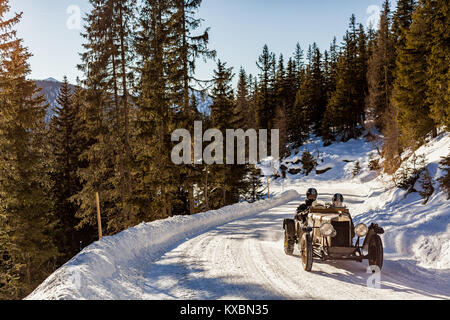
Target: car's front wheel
[306,252]
[375,251]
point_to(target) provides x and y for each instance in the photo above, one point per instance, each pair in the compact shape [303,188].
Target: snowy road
[237,252]
[244,259]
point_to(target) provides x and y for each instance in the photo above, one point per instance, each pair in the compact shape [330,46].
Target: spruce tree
[265,93]
[401,21]
[106,62]
[299,64]
[345,109]
[381,69]
[243,113]
[281,100]
[153,172]
[318,98]
[222,106]
[66,145]
[410,87]
[438,94]
[186,45]
[28,253]
[391,133]
[330,65]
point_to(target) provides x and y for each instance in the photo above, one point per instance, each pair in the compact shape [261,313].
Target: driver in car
[302,213]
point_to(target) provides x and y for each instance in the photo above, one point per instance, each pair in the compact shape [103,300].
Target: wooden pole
[268,186]
[99,217]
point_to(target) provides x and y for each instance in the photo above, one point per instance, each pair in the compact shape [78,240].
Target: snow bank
[105,269]
[415,230]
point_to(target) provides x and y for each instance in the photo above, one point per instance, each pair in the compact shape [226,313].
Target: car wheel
[376,251]
[289,236]
[288,244]
[306,252]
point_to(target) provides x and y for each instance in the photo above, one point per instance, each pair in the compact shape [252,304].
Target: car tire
[375,251]
[289,236]
[306,252]
[288,244]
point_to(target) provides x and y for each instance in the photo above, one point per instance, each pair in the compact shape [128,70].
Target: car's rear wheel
[288,244]
[375,251]
[289,236]
[306,252]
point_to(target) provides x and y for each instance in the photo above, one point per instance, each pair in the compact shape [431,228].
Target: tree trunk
[191,201]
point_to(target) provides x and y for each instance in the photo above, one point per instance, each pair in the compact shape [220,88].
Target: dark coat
[301,214]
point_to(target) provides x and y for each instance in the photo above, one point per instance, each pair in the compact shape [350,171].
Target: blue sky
[239,29]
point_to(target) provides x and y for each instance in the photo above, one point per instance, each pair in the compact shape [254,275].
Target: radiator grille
[342,238]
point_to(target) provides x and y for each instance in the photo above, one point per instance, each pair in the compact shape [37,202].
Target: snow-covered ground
[237,252]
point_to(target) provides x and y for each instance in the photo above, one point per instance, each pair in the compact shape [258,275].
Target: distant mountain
[204,103]
[50,89]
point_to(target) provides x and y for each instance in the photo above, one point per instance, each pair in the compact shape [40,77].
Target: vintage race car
[328,234]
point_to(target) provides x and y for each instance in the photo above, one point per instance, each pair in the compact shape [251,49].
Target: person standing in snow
[302,210]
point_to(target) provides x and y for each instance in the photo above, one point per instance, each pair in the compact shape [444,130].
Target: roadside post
[99,217]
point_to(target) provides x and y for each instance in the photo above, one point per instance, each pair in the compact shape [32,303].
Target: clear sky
[239,29]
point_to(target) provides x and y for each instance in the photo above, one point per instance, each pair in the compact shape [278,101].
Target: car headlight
[361,230]
[326,229]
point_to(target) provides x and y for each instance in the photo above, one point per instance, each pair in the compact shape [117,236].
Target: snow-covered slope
[414,230]
[237,252]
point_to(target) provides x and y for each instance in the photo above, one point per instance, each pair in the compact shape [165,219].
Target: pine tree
[252,92]
[153,170]
[66,145]
[223,105]
[265,92]
[438,94]
[290,91]
[28,254]
[402,21]
[107,63]
[243,113]
[444,180]
[299,64]
[391,147]
[362,86]
[410,87]
[330,65]
[380,70]
[223,97]
[255,186]
[318,99]
[345,109]
[282,99]
[185,47]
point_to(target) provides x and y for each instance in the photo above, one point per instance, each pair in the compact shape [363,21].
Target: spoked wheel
[288,244]
[306,252]
[376,252]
